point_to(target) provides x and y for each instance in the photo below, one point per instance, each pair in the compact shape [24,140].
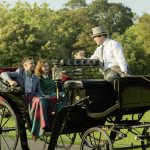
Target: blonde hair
[38,68]
[24,60]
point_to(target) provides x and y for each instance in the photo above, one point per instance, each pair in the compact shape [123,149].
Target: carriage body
[92,103]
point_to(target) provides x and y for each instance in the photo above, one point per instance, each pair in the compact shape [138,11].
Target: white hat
[98,31]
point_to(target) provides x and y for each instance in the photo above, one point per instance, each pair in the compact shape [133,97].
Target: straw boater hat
[98,31]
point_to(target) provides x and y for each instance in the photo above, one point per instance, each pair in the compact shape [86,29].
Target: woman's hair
[38,68]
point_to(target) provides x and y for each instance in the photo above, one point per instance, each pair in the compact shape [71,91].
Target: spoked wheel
[145,141]
[96,139]
[9,132]
[64,142]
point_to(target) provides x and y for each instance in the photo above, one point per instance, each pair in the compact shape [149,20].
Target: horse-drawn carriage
[102,113]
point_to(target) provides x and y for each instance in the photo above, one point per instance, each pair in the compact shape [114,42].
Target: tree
[42,32]
[142,30]
[134,41]
[75,4]
[27,30]
[114,16]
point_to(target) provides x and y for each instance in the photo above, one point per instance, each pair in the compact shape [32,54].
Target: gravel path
[38,145]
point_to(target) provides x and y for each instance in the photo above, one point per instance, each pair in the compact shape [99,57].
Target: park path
[38,145]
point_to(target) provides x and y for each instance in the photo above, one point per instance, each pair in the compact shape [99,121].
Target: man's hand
[124,74]
[12,82]
[79,55]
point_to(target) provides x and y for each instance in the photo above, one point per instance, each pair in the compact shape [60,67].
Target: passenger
[38,103]
[110,53]
[48,86]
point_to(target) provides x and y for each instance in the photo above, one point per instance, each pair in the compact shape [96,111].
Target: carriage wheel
[9,132]
[96,139]
[146,141]
[64,141]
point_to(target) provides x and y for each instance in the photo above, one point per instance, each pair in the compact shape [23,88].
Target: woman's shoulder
[36,77]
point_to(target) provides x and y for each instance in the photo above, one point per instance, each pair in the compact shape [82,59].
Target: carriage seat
[133,93]
[7,69]
[101,93]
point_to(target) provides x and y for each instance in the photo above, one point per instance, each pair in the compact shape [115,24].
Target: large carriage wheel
[64,141]
[96,139]
[9,132]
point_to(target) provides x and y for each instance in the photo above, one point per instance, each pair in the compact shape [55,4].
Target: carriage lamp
[57,75]
[56,71]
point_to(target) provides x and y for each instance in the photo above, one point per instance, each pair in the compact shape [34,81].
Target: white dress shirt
[112,55]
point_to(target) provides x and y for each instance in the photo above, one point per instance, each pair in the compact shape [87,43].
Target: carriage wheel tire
[9,130]
[96,139]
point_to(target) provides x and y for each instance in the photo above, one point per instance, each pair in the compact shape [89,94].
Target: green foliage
[28,31]
[74,4]
[38,31]
[115,17]
[136,46]
[142,31]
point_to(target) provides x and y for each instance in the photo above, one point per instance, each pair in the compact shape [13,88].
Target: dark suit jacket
[19,75]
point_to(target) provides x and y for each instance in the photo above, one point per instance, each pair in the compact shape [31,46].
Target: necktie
[102,52]
[102,60]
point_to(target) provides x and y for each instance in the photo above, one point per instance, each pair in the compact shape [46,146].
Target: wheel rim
[96,139]
[8,127]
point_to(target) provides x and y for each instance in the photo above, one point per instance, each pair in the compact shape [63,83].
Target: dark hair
[104,35]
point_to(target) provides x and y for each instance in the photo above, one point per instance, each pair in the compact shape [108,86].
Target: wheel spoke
[5,143]
[2,115]
[65,141]
[6,121]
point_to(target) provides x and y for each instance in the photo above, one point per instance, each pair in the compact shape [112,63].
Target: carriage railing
[81,68]
[80,62]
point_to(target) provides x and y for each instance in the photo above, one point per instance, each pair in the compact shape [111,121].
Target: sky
[137,6]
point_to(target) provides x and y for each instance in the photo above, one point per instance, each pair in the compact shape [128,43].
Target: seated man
[110,53]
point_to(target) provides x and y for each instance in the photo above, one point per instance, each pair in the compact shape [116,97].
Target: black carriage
[96,111]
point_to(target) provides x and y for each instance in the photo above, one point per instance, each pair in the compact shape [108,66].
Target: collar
[45,76]
[29,74]
[106,41]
